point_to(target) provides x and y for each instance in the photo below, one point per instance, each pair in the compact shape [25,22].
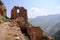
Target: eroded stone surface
[10,31]
[35,33]
[2,9]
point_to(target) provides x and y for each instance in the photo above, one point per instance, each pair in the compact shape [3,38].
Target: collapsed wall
[19,12]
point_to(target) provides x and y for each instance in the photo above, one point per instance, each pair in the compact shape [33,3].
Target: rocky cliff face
[2,9]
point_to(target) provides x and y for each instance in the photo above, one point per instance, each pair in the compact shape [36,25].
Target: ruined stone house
[20,13]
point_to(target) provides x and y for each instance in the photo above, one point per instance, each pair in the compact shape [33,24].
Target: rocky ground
[10,31]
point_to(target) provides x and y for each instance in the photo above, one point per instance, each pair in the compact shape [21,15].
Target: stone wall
[19,12]
[35,33]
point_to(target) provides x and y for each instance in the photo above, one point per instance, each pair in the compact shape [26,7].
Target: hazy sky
[35,7]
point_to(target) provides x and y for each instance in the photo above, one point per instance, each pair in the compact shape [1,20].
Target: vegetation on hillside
[2,18]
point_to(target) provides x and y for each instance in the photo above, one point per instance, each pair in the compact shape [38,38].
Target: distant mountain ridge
[56,35]
[46,22]
[55,28]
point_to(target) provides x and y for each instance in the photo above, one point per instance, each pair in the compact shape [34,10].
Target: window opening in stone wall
[18,11]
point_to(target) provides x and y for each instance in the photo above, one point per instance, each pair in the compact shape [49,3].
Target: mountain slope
[56,35]
[55,28]
[46,22]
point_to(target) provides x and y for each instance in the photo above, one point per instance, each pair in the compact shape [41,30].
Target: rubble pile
[10,31]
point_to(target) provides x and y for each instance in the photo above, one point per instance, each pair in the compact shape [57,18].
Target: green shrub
[26,37]
[3,19]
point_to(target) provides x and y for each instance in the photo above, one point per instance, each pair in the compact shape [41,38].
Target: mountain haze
[45,22]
